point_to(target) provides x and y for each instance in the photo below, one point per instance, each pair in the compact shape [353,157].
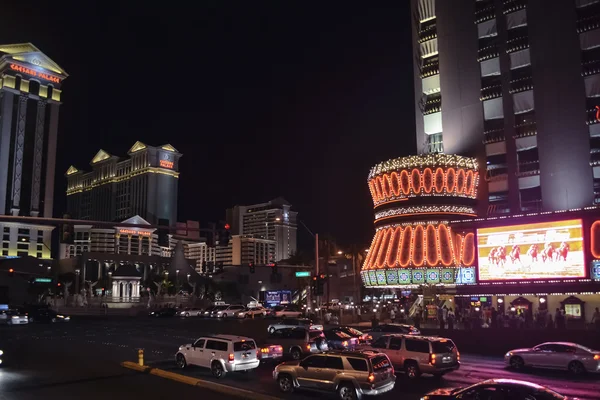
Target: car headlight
[508,354]
[1,352]
[60,316]
[15,317]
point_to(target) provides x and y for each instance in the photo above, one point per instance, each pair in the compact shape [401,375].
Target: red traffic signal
[227,226]
[10,271]
[322,276]
[58,284]
[271,264]
[314,278]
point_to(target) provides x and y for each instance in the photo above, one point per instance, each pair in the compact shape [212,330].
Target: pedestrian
[494,318]
[440,315]
[392,315]
[417,319]
[450,318]
[596,319]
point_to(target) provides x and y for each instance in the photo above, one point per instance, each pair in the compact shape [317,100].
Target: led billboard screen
[546,250]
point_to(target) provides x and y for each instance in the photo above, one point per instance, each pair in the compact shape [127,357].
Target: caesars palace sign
[37,74]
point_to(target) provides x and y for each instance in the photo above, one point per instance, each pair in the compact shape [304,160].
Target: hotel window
[22,253]
[39,255]
[5,252]
[34,87]
[5,245]
[6,229]
[23,231]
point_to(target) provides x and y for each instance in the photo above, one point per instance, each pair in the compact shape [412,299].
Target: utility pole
[316,261]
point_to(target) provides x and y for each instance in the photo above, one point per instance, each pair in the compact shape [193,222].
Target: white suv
[221,353]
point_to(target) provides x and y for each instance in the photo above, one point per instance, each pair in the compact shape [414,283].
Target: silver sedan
[568,356]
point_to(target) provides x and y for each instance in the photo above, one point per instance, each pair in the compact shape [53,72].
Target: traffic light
[273,267]
[224,235]
[219,267]
[58,284]
[11,272]
[313,285]
[252,268]
[320,285]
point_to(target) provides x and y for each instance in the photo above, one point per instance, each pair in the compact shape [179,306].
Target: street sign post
[302,274]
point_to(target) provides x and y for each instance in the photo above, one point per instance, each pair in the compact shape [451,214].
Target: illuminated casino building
[30,99]
[145,184]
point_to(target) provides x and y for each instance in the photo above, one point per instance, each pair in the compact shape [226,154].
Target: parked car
[294,323]
[15,317]
[250,312]
[216,309]
[338,340]
[190,312]
[220,353]
[568,356]
[207,311]
[297,342]
[47,315]
[418,355]
[288,311]
[497,389]
[386,329]
[163,313]
[229,311]
[353,332]
[350,374]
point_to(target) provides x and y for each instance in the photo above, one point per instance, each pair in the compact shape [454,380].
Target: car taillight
[264,350]
[279,349]
[308,347]
[597,357]
[458,356]
[432,359]
[371,378]
[345,343]
[231,357]
[257,353]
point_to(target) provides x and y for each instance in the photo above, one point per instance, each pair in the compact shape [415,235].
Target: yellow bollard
[252,315]
[141,357]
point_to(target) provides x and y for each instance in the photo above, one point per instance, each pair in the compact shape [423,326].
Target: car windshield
[443,346]
[380,363]
[219,308]
[245,345]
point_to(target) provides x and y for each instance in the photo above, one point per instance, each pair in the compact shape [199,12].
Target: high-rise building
[242,250]
[144,184]
[30,91]
[515,84]
[272,220]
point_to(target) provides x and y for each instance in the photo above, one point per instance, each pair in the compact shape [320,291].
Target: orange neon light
[37,74]
[392,255]
[474,189]
[385,183]
[378,188]
[376,250]
[415,180]
[367,264]
[595,244]
[431,245]
[425,213]
[470,182]
[133,232]
[406,246]
[445,249]
[427,180]
[404,182]
[372,190]
[460,181]
[418,258]
[450,180]
[395,183]
[439,180]
[383,249]
[469,249]
[166,164]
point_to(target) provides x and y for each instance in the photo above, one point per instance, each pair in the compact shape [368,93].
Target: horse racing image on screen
[532,251]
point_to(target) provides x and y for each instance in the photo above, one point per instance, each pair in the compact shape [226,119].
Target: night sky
[264,99]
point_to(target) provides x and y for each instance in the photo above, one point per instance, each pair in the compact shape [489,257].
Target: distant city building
[245,249]
[195,247]
[30,91]
[144,184]
[272,220]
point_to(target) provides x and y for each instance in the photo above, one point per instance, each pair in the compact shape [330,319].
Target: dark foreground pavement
[81,360]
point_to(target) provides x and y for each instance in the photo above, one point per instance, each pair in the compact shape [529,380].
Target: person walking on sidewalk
[450,319]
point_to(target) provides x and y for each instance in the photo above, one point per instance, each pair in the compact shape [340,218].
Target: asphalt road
[81,359]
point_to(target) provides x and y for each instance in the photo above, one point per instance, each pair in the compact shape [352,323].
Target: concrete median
[188,380]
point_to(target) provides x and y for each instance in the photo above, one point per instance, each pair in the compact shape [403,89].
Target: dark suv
[350,374]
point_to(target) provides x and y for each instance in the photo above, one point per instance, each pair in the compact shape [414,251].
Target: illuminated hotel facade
[145,184]
[30,99]
[515,84]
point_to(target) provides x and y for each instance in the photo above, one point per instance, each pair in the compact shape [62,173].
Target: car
[353,332]
[496,389]
[163,313]
[350,374]
[299,341]
[207,311]
[270,352]
[417,355]
[229,311]
[338,340]
[250,312]
[568,356]
[384,329]
[221,353]
[215,310]
[294,323]
[47,315]
[190,312]
[288,311]
[16,317]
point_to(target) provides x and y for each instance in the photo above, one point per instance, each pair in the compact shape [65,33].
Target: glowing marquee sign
[37,74]
[166,164]
[133,232]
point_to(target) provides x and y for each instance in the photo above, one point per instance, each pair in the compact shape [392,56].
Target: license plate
[447,359]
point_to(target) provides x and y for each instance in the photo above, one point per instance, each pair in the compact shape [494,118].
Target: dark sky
[263,98]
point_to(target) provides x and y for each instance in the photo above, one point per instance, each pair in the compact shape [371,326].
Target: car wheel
[217,370]
[285,383]
[247,316]
[271,330]
[576,368]
[517,362]
[180,361]
[53,320]
[9,322]
[187,315]
[296,354]
[30,319]
[412,370]
[347,392]
[224,315]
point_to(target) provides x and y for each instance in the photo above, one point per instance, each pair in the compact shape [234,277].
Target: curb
[188,380]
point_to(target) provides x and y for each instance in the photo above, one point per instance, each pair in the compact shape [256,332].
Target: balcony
[430,70]
[496,174]
[493,136]
[516,44]
[526,129]
[490,92]
[488,52]
[509,6]
[484,11]
[431,106]
[428,33]
[590,68]
[531,206]
[497,209]
[588,18]
[521,85]
[528,168]
[595,157]
[592,116]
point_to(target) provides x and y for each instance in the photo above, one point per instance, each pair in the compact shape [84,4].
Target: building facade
[273,220]
[244,249]
[30,99]
[515,84]
[144,184]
